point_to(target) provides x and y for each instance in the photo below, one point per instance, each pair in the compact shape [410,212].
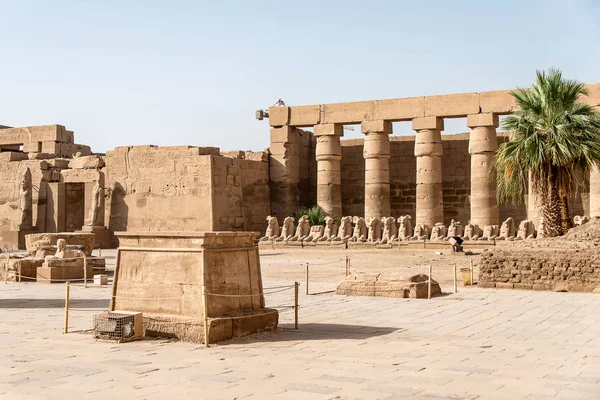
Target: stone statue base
[15,239]
[101,235]
[63,269]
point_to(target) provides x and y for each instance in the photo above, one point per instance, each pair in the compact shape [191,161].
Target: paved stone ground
[478,343]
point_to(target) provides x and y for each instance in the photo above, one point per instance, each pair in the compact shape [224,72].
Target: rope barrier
[327,263]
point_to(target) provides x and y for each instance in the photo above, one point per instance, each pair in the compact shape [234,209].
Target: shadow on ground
[53,303]
[316,331]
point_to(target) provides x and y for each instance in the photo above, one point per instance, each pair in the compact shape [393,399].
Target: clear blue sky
[193,72]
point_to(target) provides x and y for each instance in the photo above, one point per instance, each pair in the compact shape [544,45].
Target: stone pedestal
[483,144]
[102,237]
[329,180]
[162,274]
[428,150]
[377,168]
[62,269]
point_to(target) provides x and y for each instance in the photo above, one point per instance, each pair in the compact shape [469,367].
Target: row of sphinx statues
[389,229]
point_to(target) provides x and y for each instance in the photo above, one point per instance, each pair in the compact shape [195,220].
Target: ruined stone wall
[255,190]
[292,170]
[186,188]
[12,166]
[159,188]
[541,269]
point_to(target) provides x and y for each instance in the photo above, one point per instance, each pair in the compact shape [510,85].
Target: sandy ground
[329,265]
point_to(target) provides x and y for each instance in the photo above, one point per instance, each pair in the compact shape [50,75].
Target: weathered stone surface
[87,162]
[560,264]
[379,285]
[36,241]
[171,267]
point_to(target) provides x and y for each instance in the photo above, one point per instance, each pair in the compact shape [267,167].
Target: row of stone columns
[483,144]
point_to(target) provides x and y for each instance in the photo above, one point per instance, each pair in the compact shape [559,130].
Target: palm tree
[554,140]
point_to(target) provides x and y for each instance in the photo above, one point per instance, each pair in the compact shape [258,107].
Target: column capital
[428,123]
[279,116]
[478,120]
[380,126]
[328,130]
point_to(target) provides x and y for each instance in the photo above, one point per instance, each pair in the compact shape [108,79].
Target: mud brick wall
[403,174]
[541,269]
[456,178]
[353,177]
[307,179]
[403,169]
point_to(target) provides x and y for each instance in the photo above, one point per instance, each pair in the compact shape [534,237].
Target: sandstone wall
[255,190]
[12,166]
[240,192]
[456,178]
[185,188]
[159,188]
[292,170]
[541,269]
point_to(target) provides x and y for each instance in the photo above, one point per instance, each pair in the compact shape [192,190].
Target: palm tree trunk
[564,214]
[552,207]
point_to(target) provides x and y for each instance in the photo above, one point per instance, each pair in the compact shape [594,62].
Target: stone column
[329,180]
[594,193]
[377,167]
[428,150]
[483,144]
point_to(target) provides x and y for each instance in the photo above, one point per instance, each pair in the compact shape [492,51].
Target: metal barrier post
[306,278]
[455,287]
[204,300]
[471,270]
[347,265]
[67,292]
[296,288]
[84,271]
[429,284]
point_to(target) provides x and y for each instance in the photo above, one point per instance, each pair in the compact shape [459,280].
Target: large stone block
[379,285]
[500,102]
[452,105]
[475,120]
[87,162]
[172,267]
[379,126]
[35,241]
[428,123]
[279,116]
[328,130]
[305,115]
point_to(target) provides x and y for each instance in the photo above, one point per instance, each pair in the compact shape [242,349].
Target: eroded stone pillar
[483,144]
[329,180]
[377,167]
[428,150]
[594,193]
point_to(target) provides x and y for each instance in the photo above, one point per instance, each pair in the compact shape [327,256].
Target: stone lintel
[328,130]
[428,123]
[476,120]
[279,115]
[380,126]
